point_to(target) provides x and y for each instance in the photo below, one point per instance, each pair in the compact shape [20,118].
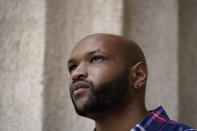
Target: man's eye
[73,67]
[97,59]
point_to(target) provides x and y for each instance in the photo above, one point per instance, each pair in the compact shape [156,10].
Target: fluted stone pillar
[36,39]
[66,23]
[188,62]
[22,38]
[154,25]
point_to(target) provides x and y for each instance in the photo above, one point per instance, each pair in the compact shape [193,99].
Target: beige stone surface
[188,62]
[21,64]
[21,68]
[154,25]
[36,39]
[67,22]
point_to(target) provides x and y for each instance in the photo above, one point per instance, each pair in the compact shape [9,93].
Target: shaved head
[131,52]
[109,69]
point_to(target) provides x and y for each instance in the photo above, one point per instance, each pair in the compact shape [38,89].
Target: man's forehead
[103,44]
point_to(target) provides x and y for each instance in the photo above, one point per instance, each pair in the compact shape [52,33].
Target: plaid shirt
[158,120]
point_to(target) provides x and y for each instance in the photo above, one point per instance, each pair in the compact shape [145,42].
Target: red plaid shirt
[158,120]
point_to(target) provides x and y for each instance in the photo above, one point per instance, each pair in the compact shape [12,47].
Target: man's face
[98,76]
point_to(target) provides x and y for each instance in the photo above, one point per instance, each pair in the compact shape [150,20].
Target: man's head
[106,72]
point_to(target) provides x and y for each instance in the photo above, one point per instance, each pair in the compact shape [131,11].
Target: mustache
[89,82]
[83,80]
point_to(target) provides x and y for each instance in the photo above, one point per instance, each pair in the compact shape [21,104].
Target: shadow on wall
[54,67]
[188,62]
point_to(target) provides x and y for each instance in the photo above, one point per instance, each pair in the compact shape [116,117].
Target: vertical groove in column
[66,23]
[126,22]
[154,26]
[54,67]
[188,62]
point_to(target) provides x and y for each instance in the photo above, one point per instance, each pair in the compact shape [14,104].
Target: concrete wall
[154,25]
[80,18]
[36,38]
[188,62]
[22,45]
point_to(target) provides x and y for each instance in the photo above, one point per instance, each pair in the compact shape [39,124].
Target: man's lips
[80,86]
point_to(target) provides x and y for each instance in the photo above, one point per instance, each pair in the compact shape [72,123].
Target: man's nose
[80,72]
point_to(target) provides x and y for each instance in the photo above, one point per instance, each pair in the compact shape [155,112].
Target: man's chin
[79,107]
[79,102]
[82,108]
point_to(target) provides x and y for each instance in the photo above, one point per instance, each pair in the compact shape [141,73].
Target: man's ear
[139,74]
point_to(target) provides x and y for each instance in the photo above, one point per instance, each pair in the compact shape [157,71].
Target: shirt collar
[153,121]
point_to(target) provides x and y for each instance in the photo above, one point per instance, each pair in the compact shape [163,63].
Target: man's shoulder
[171,125]
[158,120]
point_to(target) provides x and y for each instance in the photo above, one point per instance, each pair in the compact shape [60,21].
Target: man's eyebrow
[89,54]
[94,52]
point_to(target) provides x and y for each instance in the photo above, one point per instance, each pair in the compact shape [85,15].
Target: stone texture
[67,22]
[36,39]
[21,57]
[188,62]
[154,25]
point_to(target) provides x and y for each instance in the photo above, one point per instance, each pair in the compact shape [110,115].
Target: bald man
[108,76]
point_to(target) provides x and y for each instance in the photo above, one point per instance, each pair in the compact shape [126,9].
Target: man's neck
[121,119]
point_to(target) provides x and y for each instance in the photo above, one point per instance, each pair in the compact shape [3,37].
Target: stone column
[67,21]
[21,64]
[188,62]
[154,25]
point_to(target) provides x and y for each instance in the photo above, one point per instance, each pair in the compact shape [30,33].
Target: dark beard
[106,96]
